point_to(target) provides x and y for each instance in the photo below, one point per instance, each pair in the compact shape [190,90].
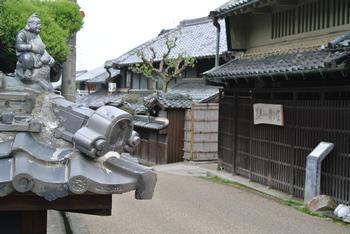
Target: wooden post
[69,70]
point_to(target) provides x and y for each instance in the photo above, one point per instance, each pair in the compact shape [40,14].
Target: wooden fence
[201,132]
[163,146]
[276,155]
[151,151]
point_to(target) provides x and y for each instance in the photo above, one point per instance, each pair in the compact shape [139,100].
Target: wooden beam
[84,203]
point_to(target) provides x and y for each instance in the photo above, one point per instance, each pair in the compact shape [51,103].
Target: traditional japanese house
[287,90]
[195,38]
[90,81]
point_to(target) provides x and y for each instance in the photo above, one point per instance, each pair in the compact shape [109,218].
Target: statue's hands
[37,48]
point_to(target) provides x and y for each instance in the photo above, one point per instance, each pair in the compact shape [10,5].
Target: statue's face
[34,26]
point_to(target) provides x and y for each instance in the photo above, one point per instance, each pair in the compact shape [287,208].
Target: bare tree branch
[168,68]
[169,45]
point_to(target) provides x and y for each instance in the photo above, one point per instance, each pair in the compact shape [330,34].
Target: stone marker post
[313,170]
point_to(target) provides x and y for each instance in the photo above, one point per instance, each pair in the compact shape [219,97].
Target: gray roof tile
[117,99]
[195,88]
[196,38]
[100,98]
[169,100]
[149,122]
[313,59]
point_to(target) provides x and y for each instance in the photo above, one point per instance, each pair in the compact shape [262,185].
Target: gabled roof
[97,75]
[196,38]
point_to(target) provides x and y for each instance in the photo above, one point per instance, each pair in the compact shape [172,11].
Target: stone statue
[54,147]
[33,60]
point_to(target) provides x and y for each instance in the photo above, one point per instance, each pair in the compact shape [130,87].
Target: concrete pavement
[185,203]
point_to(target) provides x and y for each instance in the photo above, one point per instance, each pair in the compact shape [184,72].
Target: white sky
[113,27]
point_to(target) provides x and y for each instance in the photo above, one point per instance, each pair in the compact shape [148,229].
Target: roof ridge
[195,21]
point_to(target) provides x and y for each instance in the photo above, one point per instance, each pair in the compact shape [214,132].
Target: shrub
[59,19]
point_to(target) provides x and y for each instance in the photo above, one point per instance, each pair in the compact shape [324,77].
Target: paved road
[185,204]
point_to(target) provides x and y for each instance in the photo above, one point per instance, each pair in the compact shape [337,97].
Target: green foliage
[171,63]
[142,68]
[59,19]
[66,14]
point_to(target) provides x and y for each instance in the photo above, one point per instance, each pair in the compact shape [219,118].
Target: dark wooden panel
[151,151]
[175,135]
[276,156]
[31,202]
[226,135]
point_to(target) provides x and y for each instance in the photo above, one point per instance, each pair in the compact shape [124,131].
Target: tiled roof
[169,100]
[231,5]
[149,122]
[136,108]
[100,98]
[196,38]
[97,75]
[311,60]
[195,88]
[183,94]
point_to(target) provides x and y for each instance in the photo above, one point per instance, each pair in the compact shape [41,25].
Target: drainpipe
[109,72]
[218,29]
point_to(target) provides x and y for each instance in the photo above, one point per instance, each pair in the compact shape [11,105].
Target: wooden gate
[276,155]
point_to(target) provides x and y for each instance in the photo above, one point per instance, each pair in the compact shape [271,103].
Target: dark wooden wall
[151,151]
[175,135]
[276,155]
[163,146]
[152,147]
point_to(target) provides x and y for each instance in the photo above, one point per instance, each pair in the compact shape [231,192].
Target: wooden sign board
[268,114]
